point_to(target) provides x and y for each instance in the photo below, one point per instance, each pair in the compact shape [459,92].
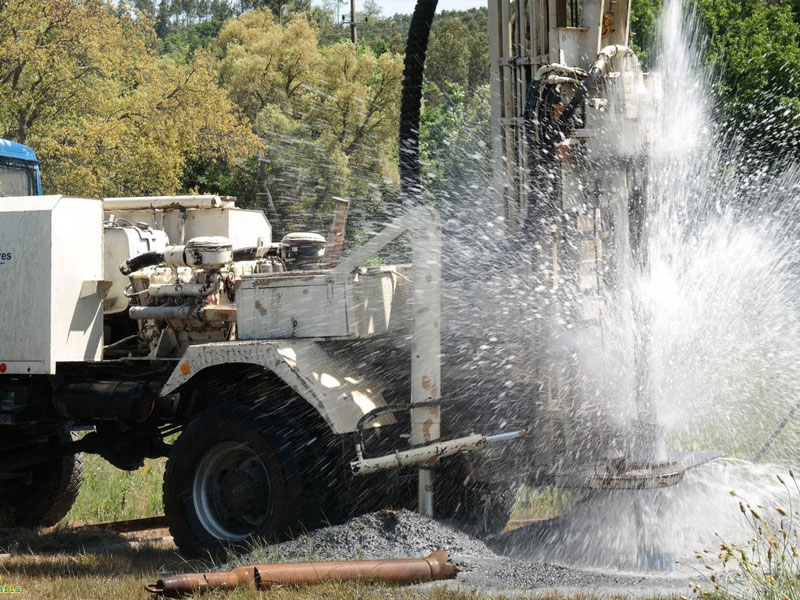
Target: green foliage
[448,55]
[754,48]
[454,143]
[108,494]
[328,117]
[753,51]
[81,84]
[644,21]
[189,40]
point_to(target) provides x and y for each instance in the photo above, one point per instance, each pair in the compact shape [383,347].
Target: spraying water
[703,324]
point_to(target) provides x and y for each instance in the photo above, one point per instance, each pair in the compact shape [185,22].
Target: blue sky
[391,7]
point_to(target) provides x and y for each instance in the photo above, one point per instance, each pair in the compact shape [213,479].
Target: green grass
[109,494]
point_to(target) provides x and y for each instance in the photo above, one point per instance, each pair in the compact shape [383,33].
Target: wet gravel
[405,534]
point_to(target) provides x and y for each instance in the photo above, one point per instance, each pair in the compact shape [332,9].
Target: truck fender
[340,396]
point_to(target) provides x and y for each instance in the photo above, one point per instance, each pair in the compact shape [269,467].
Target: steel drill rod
[404,570]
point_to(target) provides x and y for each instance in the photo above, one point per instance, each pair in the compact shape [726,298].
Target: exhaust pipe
[335,241]
[435,567]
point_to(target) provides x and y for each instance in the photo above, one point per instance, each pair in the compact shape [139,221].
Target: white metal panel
[382,301]
[50,282]
[242,227]
[313,305]
[340,395]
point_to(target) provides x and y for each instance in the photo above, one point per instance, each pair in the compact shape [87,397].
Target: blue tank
[19,170]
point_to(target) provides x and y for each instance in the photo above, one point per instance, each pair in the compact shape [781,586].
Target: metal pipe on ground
[435,567]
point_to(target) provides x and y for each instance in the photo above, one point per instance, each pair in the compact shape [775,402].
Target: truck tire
[47,492]
[230,479]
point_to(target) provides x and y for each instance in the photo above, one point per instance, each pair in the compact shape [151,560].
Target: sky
[391,7]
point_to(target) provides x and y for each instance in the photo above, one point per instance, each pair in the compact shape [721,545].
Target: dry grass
[119,576]
[44,569]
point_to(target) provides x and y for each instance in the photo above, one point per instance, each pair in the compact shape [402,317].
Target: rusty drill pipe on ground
[435,567]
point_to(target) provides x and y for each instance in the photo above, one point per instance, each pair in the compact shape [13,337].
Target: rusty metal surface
[620,475]
[434,567]
[335,241]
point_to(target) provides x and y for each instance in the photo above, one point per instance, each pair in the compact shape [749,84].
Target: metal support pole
[353,25]
[426,342]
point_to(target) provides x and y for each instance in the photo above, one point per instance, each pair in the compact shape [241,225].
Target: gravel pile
[406,534]
[382,534]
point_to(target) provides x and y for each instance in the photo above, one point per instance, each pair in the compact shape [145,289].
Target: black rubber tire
[252,430]
[46,493]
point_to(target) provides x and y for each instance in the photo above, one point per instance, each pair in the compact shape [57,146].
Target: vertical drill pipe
[435,567]
[426,343]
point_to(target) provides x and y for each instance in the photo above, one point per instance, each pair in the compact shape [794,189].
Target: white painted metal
[165,202]
[416,456]
[242,227]
[51,282]
[430,454]
[426,377]
[121,242]
[323,304]
[295,305]
[341,395]
[523,37]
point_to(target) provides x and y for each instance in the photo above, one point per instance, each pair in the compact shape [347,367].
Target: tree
[105,115]
[753,50]
[264,63]
[328,118]
[449,55]
[371,9]
[455,147]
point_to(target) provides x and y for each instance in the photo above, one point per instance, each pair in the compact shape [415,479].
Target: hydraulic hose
[247,253]
[530,102]
[148,259]
[411,102]
[598,69]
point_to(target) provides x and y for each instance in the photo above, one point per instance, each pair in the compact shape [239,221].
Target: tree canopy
[269,101]
[107,115]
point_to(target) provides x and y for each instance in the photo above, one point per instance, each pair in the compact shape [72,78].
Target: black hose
[390,409]
[148,259]
[248,253]
[594,75]
[411,103]
[544,172]
[530,102]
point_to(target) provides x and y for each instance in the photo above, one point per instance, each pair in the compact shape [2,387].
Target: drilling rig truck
[286,383]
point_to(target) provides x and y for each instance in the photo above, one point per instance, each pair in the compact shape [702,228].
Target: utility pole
[353,25]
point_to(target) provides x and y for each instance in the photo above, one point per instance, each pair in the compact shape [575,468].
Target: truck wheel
[46,492]
[230,479]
